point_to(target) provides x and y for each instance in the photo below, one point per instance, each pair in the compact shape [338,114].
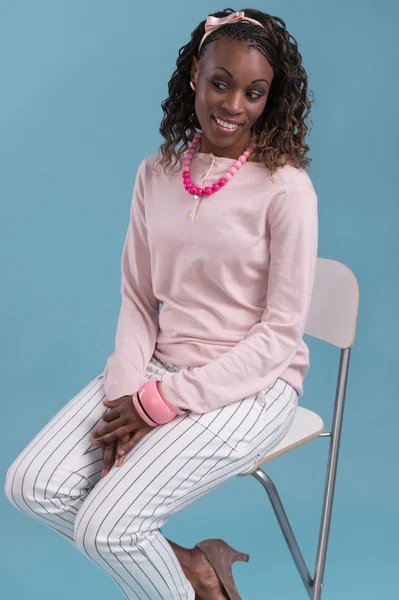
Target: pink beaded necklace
[198,191]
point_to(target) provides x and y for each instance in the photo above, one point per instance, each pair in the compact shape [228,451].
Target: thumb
[117,401]
[112,403]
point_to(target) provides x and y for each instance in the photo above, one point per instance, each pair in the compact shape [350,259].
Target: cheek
[257,111]
[205,103]
[201,101]
[206,98]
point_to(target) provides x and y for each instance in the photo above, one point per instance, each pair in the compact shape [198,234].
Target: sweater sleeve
[269,347]
[137,326]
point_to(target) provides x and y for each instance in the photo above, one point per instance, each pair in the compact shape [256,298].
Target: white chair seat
[307,425]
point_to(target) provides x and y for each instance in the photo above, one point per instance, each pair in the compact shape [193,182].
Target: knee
[80,535]
[19,486]
[101,532]
[13,484]
[91,534]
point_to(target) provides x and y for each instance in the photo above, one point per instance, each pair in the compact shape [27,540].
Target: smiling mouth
[225,124]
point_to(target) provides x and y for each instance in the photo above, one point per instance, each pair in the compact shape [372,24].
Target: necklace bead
[207,191]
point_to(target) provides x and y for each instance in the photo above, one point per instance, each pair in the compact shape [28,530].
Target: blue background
[81,87]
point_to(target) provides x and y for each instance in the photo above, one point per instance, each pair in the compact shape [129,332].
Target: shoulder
[295,186]
[295,196]
[149,168]
[148,162]
[151,159]
[292,178]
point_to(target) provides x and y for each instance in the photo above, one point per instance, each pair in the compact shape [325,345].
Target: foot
[204,580]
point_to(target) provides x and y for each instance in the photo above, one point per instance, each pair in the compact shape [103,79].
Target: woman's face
[232,84]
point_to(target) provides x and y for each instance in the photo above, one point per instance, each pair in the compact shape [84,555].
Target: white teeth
[224,124]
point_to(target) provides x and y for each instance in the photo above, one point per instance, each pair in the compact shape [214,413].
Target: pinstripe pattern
[115,521]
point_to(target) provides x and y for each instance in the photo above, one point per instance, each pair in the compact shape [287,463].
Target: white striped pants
[115,520]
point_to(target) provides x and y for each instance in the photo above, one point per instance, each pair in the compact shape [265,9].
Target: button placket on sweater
[193,213]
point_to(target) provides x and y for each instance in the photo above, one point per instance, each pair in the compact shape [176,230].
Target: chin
[222,141]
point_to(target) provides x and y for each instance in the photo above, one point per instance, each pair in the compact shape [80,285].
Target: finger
[112,437]
[131,444]
[109,453]
[139,434]
[119,459]
[117,402]
[124,440]
[111,414]
[112,403]
[116,424]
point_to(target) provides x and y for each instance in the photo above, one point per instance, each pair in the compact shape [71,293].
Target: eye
[218,85]
[254,95]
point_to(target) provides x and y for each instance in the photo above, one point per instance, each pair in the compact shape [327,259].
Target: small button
[203,175]
[190,215]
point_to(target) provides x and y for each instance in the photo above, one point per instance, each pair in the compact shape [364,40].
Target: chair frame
[314,585]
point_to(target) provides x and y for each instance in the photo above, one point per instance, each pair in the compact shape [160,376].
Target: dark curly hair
[281,130]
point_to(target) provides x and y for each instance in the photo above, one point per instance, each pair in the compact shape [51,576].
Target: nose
[233,103]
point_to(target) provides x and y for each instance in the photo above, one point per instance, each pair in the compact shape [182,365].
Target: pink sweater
[234,273]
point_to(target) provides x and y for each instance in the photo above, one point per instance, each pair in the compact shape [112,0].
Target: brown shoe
[222,556]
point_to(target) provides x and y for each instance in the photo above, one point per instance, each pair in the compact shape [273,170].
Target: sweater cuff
[172,396]
[121,387]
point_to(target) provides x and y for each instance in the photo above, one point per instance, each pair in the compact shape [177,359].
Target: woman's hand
[121,416]
[125,445]
[115,452]
[122,419]
[110,453]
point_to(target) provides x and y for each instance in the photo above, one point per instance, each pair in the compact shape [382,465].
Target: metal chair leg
[331,473]
[314,586]
[282,518]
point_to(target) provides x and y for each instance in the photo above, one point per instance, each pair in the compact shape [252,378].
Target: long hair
[281,129]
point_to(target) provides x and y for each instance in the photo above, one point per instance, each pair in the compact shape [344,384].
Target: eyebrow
[232,76]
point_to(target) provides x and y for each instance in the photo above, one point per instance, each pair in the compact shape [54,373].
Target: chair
[332,318]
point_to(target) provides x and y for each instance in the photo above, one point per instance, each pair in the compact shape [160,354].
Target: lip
[222,130]
[231,121]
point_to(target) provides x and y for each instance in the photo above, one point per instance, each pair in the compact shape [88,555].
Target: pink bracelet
[169,404]
[141,413]
[152,406]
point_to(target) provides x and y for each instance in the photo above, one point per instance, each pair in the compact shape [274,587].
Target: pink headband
[213,23]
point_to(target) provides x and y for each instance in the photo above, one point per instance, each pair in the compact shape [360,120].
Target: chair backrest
[334,305]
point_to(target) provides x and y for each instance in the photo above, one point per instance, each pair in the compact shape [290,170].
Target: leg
[172,467]
[200,573]
[52,477]
[50,480]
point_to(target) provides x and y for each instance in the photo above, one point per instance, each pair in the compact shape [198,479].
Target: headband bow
[212,23]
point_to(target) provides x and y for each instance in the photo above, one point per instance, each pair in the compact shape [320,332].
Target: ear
[194,69]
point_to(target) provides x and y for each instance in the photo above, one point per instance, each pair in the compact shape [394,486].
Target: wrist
[179,411]
[152,405]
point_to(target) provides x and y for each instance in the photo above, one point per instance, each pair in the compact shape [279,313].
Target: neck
[233,151]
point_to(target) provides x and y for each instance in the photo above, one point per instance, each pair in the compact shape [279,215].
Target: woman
[222,235]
